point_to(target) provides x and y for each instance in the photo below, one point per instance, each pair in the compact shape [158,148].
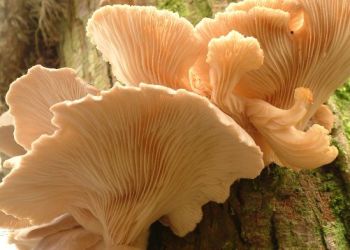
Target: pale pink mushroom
[144,44]
[63,232]
[266,18]
[122,160]
[324,116]
[10,222]
[8,145]
[31,96]
[305,45]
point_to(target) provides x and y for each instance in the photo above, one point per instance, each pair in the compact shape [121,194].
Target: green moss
[193,10]
[342,100]
[174,5]
[203,9]
[335,232]
[228,246]
[339,201]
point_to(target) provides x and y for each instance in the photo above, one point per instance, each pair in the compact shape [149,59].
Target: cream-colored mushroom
[122,160]
[324,116]
[8,145]
[63,232]
[305,46]
[144,44]
[10,222]
[31,96]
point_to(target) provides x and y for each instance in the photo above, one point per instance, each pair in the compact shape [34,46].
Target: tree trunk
[280,209]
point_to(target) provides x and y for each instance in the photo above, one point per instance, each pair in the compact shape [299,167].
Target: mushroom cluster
[200,107]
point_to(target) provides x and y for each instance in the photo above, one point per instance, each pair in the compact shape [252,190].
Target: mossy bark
[280,209]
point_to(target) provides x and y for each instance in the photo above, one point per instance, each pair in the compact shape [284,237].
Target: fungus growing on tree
[31,96]
[122,160]
[145,45]
[323,116]
[303,43]
[63,232]
[8,145]
[114,162]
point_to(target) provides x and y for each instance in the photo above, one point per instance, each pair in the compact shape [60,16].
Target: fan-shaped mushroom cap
[122,160]
[63,232]
[291,147]
[256,22]
[144,44]
[31,96]
[305,44]
[285,5]
[230,58]
[8,145]
[8,221]
[312,54]
[324,117]
[274,129]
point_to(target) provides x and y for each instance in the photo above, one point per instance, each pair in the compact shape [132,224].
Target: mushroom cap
[8,145]
[122,160]
[275,130]
[63,232]
[31,96]
[324,117]
[292,147]
[305,44]
[230,57]
[11,222]
[145,45]
[285,5]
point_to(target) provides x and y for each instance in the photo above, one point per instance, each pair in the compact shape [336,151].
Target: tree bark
[280,209]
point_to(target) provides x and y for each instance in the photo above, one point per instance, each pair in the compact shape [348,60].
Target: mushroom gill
[305,44]
[122,160]
[145,45]
[8,145]
[31,96]
[63,232]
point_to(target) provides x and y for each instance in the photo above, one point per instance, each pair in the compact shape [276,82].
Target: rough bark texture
[280,209]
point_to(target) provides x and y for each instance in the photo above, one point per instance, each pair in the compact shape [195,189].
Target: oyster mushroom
[145,45]
[63,232]
[31,96]
[304,44]
[8,145]
[122,160]
[323,116]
